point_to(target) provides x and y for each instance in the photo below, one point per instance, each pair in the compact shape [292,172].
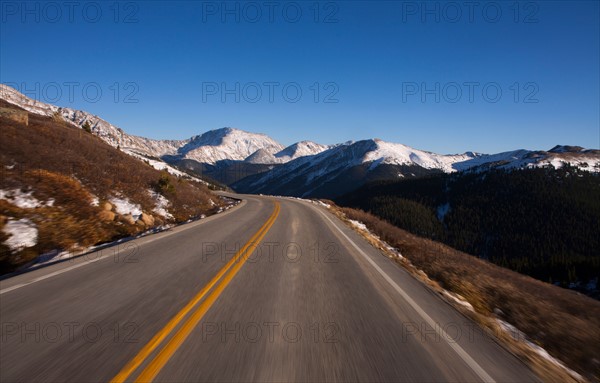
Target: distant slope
[300,149]
[225,172]
[63,189]
[543,222]
[345,167]
[330,173]
[228,155]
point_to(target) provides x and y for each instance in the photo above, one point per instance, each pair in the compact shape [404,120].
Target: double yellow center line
[221,280]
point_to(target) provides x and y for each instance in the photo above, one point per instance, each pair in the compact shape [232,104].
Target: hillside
[543,222]
[65,189]
[109,133]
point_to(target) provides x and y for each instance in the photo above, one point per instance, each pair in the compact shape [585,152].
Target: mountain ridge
[261,164]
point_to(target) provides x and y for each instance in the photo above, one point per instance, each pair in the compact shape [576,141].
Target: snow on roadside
[512,330]
[22,233]
[359,225]
[58,255]
[458,299]
[321,203]
[124,207]
[518,335]
[23,200]
[229,203]
[161,204]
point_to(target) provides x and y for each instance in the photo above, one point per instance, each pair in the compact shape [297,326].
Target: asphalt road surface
[272,290]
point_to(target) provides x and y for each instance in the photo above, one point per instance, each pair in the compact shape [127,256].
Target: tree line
[543,222]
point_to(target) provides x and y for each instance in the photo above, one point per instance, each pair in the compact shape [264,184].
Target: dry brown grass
[58,161]
[565,323]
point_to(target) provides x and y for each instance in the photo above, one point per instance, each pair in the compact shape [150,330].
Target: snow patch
[22,233]
[358,225]
[589,164]
[518,335]
[399,154]
[161,204]
[459,299]
[361,226]
[23,200]
[123,207]
[161,165]
[325,205]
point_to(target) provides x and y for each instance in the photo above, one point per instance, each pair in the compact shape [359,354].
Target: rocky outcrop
[127,218]
[106,216]
[147,219]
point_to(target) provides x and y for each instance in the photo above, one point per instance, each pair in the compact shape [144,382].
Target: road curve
[273,290]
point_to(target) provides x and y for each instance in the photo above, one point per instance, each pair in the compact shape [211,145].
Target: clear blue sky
[175,58]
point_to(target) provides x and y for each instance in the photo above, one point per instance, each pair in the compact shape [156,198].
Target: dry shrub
[58,161]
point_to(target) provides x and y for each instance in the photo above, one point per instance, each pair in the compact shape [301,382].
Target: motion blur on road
[273,290]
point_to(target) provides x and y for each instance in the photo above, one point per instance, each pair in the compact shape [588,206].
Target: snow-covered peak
[227,144]
[212,137]
[261,156]
[399,154]
[297,150]
[300,149]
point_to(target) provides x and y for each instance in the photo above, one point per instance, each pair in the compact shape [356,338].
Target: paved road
[312,301]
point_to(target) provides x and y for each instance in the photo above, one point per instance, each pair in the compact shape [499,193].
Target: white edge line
[459,350]
[6,290]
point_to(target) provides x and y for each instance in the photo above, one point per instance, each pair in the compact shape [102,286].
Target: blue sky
[423,74]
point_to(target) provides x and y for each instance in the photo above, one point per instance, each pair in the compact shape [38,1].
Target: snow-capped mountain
[344,167]
[297,150]
[227,144]
[257,163]
[300,149]
[397,154]
[339,169]
[208,148]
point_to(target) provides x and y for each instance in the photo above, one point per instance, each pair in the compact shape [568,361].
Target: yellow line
[165,331]
[171,347]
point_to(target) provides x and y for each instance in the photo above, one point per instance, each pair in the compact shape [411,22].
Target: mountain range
[256,163]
